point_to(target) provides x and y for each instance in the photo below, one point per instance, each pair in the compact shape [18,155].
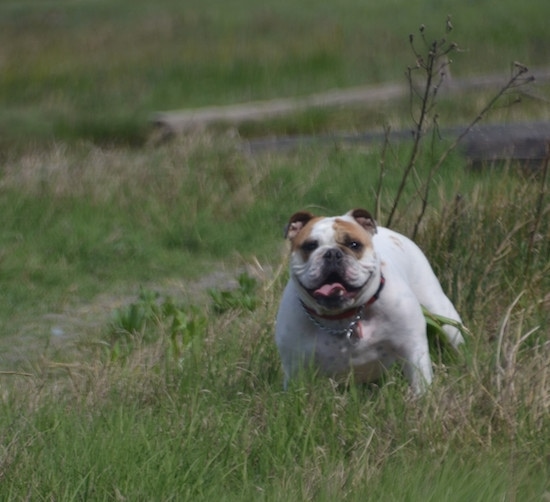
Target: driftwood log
[527,143]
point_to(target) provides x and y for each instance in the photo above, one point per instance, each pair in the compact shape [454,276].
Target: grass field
[140,283]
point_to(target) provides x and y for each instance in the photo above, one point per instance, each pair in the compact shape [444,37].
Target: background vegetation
[140,282]
[99,69]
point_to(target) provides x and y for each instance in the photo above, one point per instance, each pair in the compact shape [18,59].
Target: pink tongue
[329,289]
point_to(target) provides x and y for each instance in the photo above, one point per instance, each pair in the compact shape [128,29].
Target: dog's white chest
[365,354]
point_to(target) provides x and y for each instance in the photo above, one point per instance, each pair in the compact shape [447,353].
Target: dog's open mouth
[334,287]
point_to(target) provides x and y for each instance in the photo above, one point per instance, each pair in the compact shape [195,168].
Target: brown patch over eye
[351,237]
[303,238]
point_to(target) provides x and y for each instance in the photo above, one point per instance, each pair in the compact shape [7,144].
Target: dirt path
[62,335]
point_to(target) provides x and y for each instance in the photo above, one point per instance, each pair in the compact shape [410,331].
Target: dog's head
[333,262]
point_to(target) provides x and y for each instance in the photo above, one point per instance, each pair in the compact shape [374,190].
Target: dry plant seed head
[520,67]
[448,25]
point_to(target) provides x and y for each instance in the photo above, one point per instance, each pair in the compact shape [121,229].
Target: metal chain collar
[349,332]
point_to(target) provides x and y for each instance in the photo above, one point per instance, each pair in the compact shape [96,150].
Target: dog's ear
[296,223]
[365,219]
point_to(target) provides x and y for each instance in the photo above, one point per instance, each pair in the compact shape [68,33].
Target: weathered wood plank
[181,121]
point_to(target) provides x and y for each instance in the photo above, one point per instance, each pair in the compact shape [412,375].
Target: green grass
[173,397]
[210,420]
[81,218]
[133,368]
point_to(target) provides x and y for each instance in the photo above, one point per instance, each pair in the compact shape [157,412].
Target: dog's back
[409,260]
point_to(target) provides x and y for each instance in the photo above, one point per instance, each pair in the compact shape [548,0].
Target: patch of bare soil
[60,336]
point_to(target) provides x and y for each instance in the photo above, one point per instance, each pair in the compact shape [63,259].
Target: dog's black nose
[333,257]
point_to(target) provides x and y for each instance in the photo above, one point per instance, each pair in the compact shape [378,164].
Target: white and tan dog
[353,301]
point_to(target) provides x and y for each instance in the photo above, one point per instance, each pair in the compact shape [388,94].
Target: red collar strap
[353,312]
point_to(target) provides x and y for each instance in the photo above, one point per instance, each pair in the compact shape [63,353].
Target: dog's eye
[310,246]
[354,245]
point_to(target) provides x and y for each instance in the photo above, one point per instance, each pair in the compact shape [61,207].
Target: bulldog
[353,303]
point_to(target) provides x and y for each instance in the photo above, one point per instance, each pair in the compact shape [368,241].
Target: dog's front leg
[417,366]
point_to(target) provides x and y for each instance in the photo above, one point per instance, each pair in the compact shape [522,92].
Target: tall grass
[190,405]
[218,425]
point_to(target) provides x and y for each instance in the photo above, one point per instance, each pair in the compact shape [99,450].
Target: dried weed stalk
[426,79]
